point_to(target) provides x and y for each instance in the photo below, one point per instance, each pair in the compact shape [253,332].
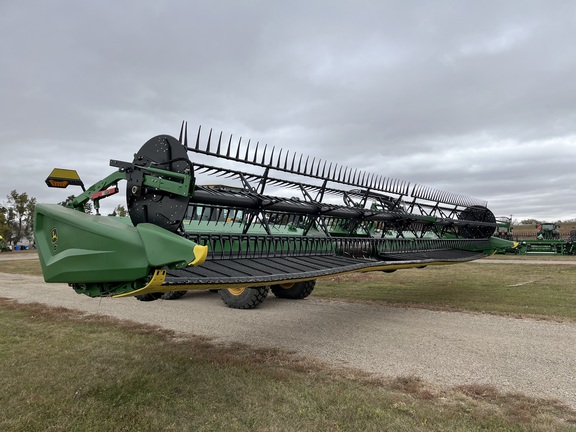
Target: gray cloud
[474,98]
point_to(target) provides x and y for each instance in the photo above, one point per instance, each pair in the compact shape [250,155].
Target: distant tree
[530,222]
[119,211]
[20,216]
[5,230]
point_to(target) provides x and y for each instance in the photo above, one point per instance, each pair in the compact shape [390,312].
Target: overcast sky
[475,98]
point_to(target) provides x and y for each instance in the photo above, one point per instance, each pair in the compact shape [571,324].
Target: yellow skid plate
[153,286]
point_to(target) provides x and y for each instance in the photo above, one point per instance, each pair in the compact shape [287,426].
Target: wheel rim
[236,291]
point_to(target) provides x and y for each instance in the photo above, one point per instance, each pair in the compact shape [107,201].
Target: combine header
[278,221]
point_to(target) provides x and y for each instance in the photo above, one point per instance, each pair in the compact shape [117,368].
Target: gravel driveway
[537,358]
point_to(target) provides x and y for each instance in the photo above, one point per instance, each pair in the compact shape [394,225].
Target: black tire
[297,291]
[172,295]
[244,298]
[149,297]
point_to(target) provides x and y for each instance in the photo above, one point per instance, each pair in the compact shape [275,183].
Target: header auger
[279,220]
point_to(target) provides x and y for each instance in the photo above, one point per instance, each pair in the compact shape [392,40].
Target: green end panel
[163,248]
[497,243]
[75,247]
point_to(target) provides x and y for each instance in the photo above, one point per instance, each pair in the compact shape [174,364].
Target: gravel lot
[536,358]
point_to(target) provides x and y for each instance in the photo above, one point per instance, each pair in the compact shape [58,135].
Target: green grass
[24,266]
[62,371]
[546,291]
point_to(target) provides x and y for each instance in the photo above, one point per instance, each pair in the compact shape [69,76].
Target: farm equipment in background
[504,228]
[547,240]
[505,231]
[287,221]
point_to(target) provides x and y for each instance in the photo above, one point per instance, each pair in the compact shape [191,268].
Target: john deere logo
[53,235]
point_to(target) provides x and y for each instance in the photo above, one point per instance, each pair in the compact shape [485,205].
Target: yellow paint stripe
[155,282]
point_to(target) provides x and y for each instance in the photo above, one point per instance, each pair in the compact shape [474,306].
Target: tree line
[17,217]
[539,222]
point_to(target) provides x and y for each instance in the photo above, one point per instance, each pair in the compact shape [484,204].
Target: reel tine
[422,192]
[186,135]
[256,152]
[181,133]
[247,150]
[208,144]
[197,147]
[279,158]
[406,188]
[238,149]
[306,165]
[219,143]
[229,147]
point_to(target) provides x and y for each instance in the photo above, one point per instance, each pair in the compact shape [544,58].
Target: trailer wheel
[149,297]
[244,298]
[295,291]
[172,295]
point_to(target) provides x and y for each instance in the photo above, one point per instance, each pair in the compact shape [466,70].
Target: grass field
[544,291]
[62,370]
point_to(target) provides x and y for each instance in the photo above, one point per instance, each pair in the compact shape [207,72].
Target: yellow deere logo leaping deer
[53,235]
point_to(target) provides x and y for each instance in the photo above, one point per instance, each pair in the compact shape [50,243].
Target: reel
[147,204]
